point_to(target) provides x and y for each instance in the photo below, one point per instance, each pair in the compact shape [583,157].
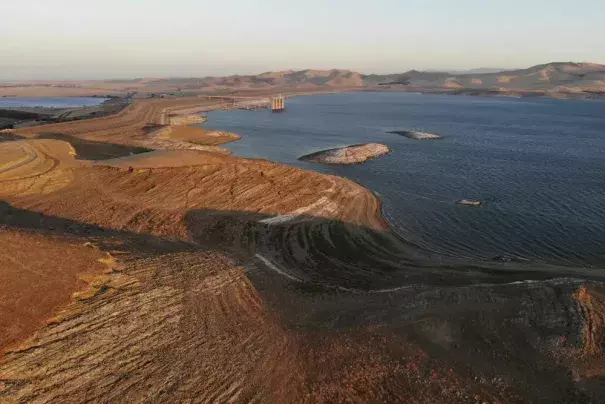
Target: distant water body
[50,102]
[540,164]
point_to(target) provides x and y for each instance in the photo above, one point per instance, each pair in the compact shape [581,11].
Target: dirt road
[28,156]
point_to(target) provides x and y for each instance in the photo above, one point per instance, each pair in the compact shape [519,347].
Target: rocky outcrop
[188,137]
[470,202]
[347,155]
[416,135]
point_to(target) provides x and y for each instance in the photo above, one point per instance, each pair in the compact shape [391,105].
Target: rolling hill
[551,79]
[559,80]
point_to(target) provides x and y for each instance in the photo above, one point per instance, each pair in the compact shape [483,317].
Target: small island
[470,202]
[416,135]
[353,154]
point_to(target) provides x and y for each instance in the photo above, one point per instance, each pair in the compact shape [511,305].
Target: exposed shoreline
[211,142]
[265,272]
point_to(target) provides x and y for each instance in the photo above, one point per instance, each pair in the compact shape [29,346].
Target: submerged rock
[353,154]
[416,135]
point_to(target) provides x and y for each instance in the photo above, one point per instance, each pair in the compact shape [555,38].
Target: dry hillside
[552,79]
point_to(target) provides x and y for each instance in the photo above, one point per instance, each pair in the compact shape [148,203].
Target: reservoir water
[50,102]
[540,164]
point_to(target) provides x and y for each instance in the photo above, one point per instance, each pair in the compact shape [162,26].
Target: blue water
[540,163]
[50,102]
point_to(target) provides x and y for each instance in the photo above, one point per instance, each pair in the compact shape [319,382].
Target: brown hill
[552,79]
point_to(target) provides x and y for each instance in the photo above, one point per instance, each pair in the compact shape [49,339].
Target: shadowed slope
[180,321]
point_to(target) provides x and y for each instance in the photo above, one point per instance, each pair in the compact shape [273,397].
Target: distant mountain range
[565,77]
[552,79]
[560,80]
[479,70]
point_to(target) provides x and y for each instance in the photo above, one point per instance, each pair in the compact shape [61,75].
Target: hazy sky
[76,39]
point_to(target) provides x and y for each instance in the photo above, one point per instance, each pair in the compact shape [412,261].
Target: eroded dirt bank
[214,278]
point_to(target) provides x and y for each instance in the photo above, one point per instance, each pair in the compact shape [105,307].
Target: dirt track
[213,278]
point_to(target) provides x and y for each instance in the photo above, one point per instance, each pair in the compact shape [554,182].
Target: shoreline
[583,271]
[265,271]
[114,103]
[190,117]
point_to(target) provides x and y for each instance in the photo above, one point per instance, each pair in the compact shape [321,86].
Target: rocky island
[470,202]
[416,135]
[353,154]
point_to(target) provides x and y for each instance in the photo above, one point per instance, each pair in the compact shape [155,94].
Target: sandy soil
[34,285]
[354,154]
[213,278]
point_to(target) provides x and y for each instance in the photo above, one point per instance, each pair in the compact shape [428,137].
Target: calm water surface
[539,163]
[50,102]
